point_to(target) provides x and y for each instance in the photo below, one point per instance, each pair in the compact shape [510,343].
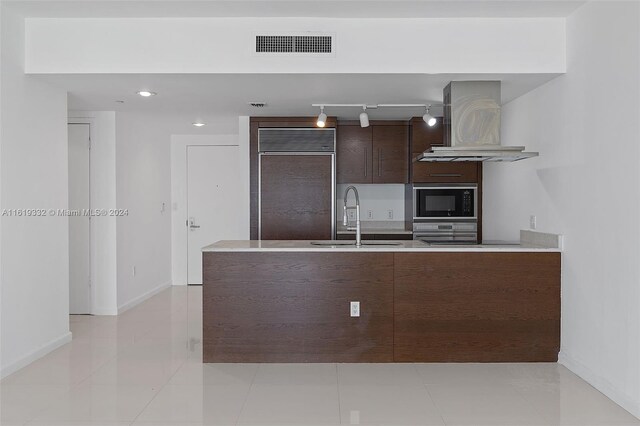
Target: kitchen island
[291,301]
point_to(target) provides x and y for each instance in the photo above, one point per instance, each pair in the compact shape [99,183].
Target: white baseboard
[104,311]
[133,302]
[38,353]
[601,384]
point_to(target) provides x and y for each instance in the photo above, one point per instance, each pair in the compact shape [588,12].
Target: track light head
[364,117]
[322,118]
[429,119]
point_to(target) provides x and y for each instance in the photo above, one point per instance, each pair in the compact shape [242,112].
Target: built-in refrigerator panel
[296,173]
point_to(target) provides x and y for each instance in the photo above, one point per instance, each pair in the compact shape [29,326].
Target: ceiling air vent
[294,44]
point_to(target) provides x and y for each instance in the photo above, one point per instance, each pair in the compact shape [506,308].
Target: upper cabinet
[422,138]
[374,154]
[353,154]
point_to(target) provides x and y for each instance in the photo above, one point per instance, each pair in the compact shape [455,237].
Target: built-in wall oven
[445,213]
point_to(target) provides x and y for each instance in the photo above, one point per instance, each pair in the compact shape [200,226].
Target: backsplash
[378,199]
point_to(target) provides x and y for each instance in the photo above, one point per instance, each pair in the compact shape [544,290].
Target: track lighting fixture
[322,118]
[428,118]
[364,117]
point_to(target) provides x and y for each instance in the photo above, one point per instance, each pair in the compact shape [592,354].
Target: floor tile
[21,403]
[197,404]
[195,373]
[574,402]
[99,403]
[281,404]
[378,374]
[387,405]
[296,374]
[466,404]
[466,373]
[156,372]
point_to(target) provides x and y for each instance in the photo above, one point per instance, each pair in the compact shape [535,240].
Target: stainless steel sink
[343,243]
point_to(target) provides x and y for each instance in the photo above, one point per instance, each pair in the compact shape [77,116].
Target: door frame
[104,281]
[92,269]
[179,193]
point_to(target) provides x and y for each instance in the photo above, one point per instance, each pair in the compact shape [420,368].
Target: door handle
[365,161]
[192,224]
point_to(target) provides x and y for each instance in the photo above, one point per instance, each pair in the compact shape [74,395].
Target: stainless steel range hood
[472,126]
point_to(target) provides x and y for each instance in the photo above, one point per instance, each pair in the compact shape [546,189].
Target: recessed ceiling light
[258,104]
[198,124]
[146,93]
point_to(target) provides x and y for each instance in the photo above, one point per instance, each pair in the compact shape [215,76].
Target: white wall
[585,185]
[103,196]
[224,45]
[379,198]
[34,261]
[143,184]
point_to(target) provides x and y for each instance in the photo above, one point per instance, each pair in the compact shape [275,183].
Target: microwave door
[438,204]
[445,203]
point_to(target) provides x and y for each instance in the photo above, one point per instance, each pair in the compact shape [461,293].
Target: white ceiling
[205,96]
[296,8]
[190,97]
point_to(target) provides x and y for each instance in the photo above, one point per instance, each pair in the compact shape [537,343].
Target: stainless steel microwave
[448,201]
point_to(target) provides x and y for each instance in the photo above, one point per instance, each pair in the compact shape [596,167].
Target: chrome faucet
[345,219]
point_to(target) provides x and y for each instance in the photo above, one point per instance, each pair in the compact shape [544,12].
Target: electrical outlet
[389,214]
[369,214]
[355,309]
[351,214]
[133,271]
[532,222]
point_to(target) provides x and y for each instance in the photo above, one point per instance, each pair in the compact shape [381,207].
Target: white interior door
[79,226]
[213,201]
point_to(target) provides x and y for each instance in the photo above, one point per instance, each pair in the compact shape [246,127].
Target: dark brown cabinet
[353,154]
[374,154]
[476,307]
[423,138]
[294,307]
[267,306]
[296,197]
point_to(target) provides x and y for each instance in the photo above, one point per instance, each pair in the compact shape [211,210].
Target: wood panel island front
[290,301]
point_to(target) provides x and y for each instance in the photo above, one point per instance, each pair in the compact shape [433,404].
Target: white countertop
[370,246]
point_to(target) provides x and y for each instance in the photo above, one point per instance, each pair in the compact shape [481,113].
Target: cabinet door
[423,138]
[294,307]
[295,197]
[476,307]
[353,154]
[445,172]
[390,149]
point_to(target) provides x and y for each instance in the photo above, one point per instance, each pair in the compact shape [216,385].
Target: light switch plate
[355,309]
[533,222]
[389,214]
[369,214]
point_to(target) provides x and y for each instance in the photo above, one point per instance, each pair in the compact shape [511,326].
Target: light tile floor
[144,368]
